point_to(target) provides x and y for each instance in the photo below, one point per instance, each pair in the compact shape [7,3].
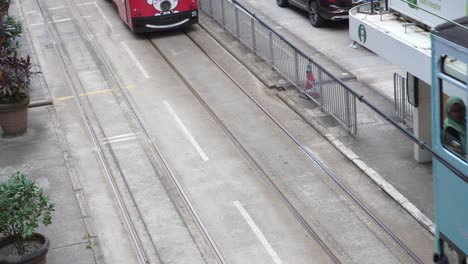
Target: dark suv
[321,10]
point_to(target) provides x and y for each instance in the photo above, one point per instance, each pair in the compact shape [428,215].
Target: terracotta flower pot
[2,40]
[14,118]
[4,10]
[5,7]
[37,257]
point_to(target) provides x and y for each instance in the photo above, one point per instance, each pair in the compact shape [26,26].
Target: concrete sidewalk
[379,149]
[42,155]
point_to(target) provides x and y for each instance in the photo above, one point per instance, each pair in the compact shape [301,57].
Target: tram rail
[249,157]
[92,132]
[134,110]
[268,180]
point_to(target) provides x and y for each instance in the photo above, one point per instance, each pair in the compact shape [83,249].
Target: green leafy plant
[22,206]
[10,29]
[15,77]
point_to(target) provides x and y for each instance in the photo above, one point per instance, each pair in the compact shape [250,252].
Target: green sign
[362,33]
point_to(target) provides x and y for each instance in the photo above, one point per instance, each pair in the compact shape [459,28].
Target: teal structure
[449,41]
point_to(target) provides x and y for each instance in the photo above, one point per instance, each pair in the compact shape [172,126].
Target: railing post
[296,65]
[254,40]
[222,14]
[348,112]
[321,95]
[403,84]
[354,115]
[211,8]
[395,88]
[236,11]
[272,57]
[403,101]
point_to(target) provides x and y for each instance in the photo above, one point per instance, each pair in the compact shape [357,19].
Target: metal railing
[297,68]
[402,107]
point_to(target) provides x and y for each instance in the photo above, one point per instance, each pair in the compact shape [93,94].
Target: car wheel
[314,15]
[282,3]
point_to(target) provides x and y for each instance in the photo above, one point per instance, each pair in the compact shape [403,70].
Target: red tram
[155,15]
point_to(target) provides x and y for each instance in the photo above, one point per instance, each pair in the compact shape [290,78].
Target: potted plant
[22,206]
[10,29]
[15,74]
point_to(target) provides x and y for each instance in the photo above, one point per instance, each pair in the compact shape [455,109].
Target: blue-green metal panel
[451,206]
[451,192]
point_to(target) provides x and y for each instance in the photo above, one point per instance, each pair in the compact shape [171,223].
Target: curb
[32,50]
[78,192]
[348,153]
[92,234]
[39,103]
[372,174]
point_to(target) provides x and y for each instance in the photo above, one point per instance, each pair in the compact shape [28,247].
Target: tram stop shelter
[399,31]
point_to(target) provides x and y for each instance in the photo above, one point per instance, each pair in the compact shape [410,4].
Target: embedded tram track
[71,79]
[72,82]
[125,214]
[237,143]
[264,175]
[273,187]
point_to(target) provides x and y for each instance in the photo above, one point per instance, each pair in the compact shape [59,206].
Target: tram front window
[453,107]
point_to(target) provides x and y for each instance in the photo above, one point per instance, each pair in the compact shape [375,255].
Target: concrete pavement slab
[70,254]
[39,143]
[39,155]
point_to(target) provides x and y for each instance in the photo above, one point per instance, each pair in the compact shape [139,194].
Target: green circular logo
[362,33]
[413,4]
